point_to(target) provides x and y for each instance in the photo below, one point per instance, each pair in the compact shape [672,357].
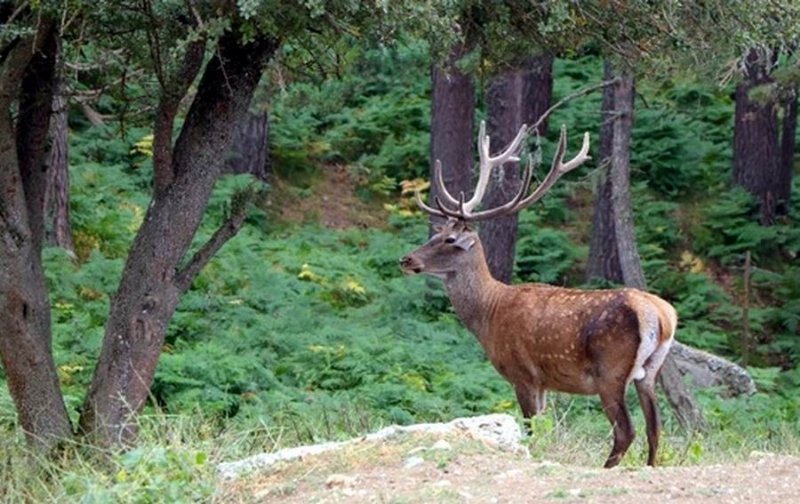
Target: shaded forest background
[302,327]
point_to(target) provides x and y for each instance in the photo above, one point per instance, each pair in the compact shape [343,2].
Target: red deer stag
[541,337]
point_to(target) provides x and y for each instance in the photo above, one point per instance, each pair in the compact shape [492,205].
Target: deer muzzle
[411,265]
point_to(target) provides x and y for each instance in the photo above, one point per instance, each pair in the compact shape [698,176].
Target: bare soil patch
[422,468]
[330,200]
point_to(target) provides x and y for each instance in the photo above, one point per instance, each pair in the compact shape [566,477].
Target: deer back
[575,340]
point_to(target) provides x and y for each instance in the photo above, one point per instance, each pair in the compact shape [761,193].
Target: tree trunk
[25,329]
[249,153]
[153,278]
[619,177]
[515,97]
[452,120]
[58,228]
[613,252]
[756,153]
[613,231]
[603,263]
[788,135]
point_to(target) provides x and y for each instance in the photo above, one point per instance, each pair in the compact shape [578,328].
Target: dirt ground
[331,201]
[420,470]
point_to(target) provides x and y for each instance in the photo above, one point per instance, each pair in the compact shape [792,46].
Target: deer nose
[410,265]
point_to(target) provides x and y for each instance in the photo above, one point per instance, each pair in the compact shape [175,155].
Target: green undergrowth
[176,456]
[300,334]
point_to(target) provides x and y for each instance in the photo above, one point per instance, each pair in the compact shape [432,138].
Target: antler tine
[511,206]
[464,209]
[446,212]
[559,168]
[487,162]
[425,207]
[439,181]
[437,172]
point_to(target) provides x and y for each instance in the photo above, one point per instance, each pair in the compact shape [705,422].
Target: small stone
[441,445]
[413,462]
[340,481]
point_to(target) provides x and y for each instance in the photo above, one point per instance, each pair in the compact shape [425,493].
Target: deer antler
[448,206]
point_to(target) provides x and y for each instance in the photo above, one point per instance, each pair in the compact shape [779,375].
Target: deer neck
[474,294]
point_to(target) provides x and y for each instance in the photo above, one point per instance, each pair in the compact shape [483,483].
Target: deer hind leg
[617,413]
[645,388]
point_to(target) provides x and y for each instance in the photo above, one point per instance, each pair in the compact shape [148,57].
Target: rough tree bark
[58,230]
[613,234]
[515,97]
[756,147]
[156,273]
[27,75]
[788,136]
[603,263]
[452,121]
[249,154]
[619,172]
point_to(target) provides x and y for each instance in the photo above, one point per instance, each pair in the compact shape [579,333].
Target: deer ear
[465,242]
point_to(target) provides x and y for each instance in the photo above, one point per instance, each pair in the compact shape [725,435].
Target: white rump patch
[649,328]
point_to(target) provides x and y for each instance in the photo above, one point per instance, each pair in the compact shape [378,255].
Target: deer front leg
[531,401]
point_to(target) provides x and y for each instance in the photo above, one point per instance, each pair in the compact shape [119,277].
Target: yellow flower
[144,146]
[308,275]
[503,406]
[692,262]
[355,287]
[415,381]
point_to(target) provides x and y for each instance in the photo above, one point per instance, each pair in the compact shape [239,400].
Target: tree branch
[171,97]
[240,204]
[13,68]
[34,109]
[577,94]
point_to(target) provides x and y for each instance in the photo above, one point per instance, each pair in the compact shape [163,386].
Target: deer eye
[450,239]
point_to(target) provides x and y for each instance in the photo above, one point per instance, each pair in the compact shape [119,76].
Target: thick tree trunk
[249,154]
[619,177]
[756,152]
[452,120]
[58,228]
[788,136]
[153,279]
[25,331]
[515,97]
[603,263]
[613,252]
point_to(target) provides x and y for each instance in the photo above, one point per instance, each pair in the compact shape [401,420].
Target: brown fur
[541,337]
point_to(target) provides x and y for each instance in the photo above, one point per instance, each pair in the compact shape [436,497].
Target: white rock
[498,430]
[413,462]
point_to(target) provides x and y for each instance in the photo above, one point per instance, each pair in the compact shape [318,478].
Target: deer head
[454,247]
